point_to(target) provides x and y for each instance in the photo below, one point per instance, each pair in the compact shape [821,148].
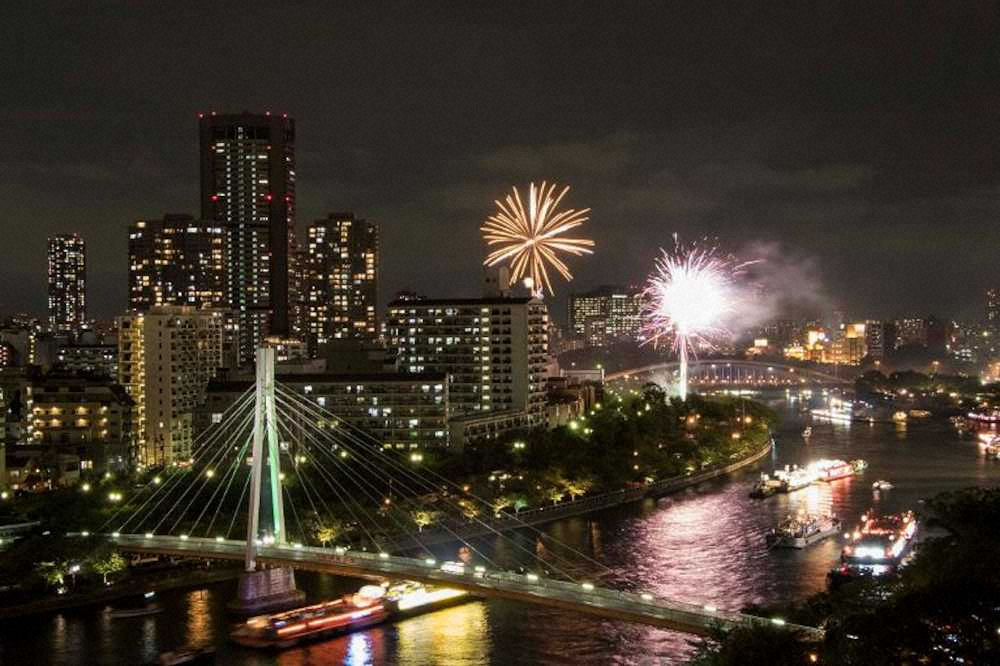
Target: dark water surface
[705,545]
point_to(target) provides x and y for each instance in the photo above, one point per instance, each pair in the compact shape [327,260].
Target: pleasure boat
[831,470]
[877,545]
[881,484]
[803,530]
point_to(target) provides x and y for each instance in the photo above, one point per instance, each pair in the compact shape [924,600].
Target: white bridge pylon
[265,430]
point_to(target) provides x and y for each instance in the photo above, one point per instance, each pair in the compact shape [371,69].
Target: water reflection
[704,545]
[457,635]
[199,617]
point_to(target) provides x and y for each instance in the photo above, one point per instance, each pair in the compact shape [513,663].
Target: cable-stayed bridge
[278,472]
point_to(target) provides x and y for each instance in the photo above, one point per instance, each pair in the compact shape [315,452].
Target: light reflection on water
[704,545]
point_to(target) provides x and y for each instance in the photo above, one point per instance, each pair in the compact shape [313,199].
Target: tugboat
[877,546]
[765,487]
[803,530]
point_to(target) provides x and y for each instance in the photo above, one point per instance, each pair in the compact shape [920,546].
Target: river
[704,545]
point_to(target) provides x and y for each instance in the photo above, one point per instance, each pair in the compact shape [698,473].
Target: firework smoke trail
[688,297]
[531,238]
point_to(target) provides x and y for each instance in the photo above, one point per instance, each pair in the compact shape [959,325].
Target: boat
[859,465]
[831,470]
[794,478]
[807,433]
[203,655]
[371,605]
[878,545]
[765,487]
[899,417]
[803,530]
[881,484]
[146,605]
[353,611]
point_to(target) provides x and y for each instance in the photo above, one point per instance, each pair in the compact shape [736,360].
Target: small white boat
[881,484]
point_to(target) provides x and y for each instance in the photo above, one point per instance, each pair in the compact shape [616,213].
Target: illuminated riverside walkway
[528,588]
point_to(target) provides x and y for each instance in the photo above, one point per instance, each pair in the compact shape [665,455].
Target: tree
[328,531]
[757,646]
[424,518]
[501,503]
[468,507]
[54,573]
[109,565]
[556,494]
[577,487]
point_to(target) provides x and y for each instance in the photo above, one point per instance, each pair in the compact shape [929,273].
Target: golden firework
[531,238]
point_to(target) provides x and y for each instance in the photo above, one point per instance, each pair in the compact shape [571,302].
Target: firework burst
[692,292]
[532,238]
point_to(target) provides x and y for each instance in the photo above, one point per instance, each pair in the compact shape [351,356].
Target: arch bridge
[735,373]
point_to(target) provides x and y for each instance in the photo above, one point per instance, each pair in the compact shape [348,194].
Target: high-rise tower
[176,261]
[342,269]
[248,184]
[67,283]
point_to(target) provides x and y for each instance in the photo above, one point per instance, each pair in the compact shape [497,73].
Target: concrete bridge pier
[266,591]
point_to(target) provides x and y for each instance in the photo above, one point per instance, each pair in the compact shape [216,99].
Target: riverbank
[140,584]
[573,508]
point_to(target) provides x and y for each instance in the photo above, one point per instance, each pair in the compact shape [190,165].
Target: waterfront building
[89,416]
[493,350]
[166,356]
[341,280]
[606,314]
[248,186]
[67,256]
[399,410]
[176,260]
[880,338]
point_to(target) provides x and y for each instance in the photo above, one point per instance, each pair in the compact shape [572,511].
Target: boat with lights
[878,544]
[803,530]
[371,605]
[766,486]
[831,470]
[794,478]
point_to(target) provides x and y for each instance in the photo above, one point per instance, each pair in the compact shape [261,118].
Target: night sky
[861,147]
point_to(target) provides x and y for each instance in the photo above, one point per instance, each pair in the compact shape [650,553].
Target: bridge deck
[593,600]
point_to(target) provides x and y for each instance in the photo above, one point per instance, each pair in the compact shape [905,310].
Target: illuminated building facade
[67,255]
[399,410]
[880,339]
[606,314]
[248,186]
[85,415]
[176,261]
[166,356]
[341,280]
[493,350]
[993,306]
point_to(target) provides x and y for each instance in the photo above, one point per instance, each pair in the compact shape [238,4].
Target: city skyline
[888,200]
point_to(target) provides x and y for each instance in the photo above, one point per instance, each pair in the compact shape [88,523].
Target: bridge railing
[683,613]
